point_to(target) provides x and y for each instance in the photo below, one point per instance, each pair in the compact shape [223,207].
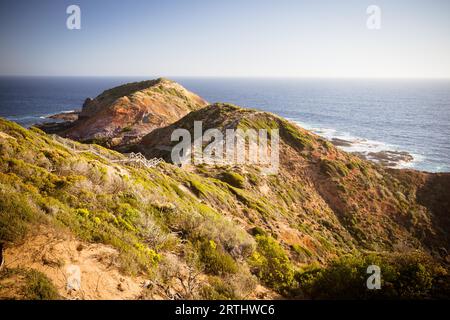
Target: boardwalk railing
[133,159]
[140,160]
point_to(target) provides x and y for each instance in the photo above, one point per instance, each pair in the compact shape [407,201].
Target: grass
[90,202]
[295,136]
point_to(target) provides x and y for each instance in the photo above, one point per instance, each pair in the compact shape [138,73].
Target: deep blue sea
[401,115]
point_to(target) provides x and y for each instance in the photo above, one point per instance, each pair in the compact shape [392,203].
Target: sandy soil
[65,260]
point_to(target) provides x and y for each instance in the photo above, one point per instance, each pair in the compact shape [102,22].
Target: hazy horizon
[171,77]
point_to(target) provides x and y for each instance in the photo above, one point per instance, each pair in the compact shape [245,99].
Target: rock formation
[126,113]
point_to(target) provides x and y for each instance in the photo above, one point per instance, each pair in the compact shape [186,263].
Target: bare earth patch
[57,255]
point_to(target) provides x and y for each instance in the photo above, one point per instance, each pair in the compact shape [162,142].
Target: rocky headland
[124,114]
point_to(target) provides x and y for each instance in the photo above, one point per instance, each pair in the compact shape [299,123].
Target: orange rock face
[125,114]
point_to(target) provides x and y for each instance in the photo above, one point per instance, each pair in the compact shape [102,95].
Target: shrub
[271,264]
[218,290]
[343,279]
[295,136]
[208,224]
[28,284]
[409,275]
[83,212]
[334,168]
[215,260]
[39,287]
[233,179]
[230,287]
[253,179]
[197,188]
[16,214]
[302,251]
[257,231]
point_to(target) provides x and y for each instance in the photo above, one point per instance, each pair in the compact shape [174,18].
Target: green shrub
[295,136]
[27,284]
[253,179]
[83,213]
[408,275]
[126,129]
[197,188]
[301,251]
[334,168]
[217,289]
[257,231]
[233,179]
[16,214]
[271,264]
[39,287]
[215,260]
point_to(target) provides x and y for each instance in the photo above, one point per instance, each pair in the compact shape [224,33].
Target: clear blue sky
[226,38]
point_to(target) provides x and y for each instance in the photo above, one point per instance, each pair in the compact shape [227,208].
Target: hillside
[368,205]
[216,231]
[125,113]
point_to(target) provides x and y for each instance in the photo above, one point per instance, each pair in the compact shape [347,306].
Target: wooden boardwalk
[132,159]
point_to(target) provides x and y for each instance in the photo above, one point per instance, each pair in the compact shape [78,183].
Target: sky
[212,38]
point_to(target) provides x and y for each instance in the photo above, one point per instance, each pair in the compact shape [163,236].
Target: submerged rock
[389,158]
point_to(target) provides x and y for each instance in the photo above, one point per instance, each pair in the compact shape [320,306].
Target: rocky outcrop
[69,116]
[126,113]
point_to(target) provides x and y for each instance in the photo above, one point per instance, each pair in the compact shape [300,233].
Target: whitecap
[361,145]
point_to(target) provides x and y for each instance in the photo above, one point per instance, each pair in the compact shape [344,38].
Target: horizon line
[225,77]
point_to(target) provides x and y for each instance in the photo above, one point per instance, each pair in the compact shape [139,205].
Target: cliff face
[338,197]
[222,230]
[125,113]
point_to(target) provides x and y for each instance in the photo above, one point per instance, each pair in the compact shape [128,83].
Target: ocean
[374,115]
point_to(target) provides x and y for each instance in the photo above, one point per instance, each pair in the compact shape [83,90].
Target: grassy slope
[226,222]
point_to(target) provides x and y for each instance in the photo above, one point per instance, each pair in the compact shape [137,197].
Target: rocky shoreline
[387,158]
[61,121]
[66,116]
